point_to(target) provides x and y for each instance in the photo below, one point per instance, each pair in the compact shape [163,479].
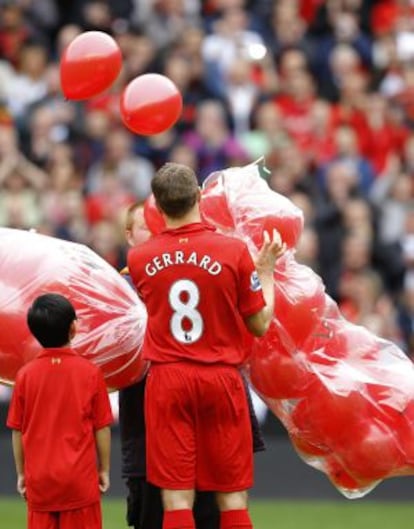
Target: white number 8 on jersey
[186,310]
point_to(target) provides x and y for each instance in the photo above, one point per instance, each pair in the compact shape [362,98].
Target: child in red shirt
[60,416]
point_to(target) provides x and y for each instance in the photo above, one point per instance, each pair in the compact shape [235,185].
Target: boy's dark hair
[175,189]
[49,320]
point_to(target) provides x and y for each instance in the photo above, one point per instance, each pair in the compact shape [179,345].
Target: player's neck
[191,217]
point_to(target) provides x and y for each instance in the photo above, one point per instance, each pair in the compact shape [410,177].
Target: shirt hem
[62,507]
[99,426]
[14,426]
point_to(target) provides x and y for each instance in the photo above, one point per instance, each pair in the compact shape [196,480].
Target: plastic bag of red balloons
[345,396]
[111,318]
[239,200]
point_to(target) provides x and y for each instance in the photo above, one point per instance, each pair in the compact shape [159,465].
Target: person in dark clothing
[144,505]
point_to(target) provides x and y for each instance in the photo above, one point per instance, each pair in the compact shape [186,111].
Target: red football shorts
[198,428]
[89,517]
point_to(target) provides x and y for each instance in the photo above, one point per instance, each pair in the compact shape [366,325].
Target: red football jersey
[58,402]
[197,285]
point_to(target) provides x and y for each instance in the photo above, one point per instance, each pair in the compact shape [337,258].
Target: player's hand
[104,482]
[21,486]
[269,253]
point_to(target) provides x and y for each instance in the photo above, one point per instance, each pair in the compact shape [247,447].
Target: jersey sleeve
[133,266]
[101,411]
[15,414]
[250,296]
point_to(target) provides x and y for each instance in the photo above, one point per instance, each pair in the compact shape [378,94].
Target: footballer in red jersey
[201,290]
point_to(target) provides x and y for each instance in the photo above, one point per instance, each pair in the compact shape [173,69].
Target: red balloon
[374,453]
[342,479]
[150,104]
[289,226]
[326,344]
[299,299]
[255,207]
[89,65]
[333,340]
[331,419]
[404,425]
[307,449]
[214,207]
[304,427]
[388,407]
[274,370]
[153,217]
[14,353]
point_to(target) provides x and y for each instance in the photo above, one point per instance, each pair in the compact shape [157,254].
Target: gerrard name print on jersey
[178,257]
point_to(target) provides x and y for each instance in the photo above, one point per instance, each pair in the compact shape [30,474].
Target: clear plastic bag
[111,318]
[345,396]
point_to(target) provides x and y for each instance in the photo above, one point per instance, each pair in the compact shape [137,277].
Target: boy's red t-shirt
[197,286]
[59,401]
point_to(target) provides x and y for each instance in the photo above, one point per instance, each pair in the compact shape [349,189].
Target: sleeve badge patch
[255,282]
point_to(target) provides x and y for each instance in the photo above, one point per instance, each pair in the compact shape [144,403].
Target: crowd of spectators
[323,89]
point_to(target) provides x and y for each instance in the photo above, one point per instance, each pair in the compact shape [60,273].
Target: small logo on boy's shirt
[55,360]
[255,282]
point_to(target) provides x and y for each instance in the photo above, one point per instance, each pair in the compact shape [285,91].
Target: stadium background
[323,89]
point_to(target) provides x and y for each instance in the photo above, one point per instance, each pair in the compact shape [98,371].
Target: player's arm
[271,250]
[19,461]
[103,448]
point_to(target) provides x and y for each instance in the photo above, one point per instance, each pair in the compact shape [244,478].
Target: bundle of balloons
[111,320]
[91,63]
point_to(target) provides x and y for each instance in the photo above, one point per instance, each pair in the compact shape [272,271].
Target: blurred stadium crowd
[323,89]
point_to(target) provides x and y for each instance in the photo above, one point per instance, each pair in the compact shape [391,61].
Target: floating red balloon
[150,104]
[89,65]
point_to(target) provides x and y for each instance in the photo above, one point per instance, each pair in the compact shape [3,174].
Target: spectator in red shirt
[60,416]
[296,106]
[196,411]
[386,138]
[14,31]
[321,147]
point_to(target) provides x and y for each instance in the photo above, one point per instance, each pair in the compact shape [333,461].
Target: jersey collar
[194,227]
[57,351]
